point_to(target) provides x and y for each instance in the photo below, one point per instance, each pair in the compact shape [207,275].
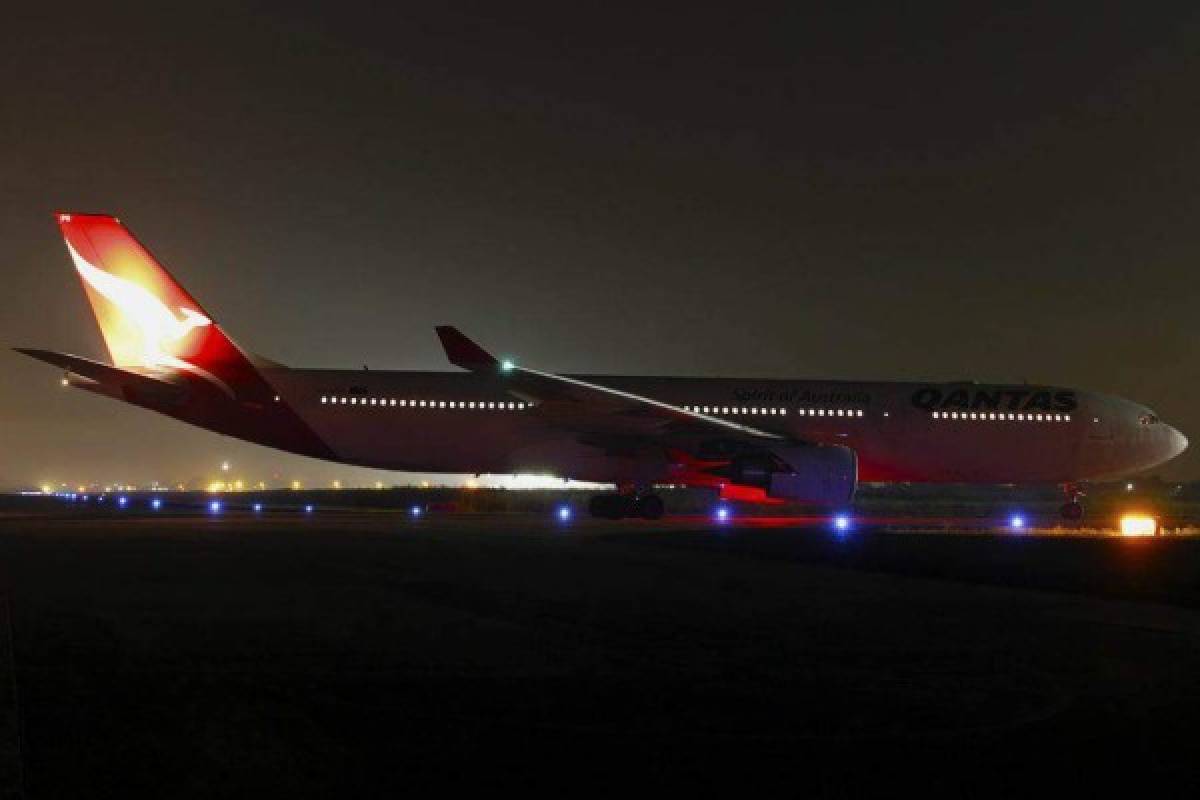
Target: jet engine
[823,475]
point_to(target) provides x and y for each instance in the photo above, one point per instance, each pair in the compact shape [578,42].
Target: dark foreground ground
[369,655]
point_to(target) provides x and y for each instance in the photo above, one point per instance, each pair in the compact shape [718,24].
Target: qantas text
[1014,399]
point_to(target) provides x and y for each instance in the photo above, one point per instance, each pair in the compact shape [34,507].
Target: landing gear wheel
[1072,511]
[649,506]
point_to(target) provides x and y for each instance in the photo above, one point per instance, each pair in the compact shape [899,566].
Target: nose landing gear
[618,506]
[1072,510]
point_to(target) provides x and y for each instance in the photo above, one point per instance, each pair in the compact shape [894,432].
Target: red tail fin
[148,320]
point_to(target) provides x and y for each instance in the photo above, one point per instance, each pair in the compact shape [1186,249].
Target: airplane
[770,441]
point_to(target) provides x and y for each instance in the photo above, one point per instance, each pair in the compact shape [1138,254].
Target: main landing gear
[618,506]
[1072,509]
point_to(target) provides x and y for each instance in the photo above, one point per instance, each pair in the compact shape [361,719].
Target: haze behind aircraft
[766,441]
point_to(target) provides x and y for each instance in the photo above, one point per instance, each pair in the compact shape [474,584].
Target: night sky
[893,191]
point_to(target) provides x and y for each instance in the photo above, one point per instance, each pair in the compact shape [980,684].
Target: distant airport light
[1016,522]
[156,503]
[122,501]
[722,513]
[308,509]
[415,511]
[841,523]
[1138,525]
[564,513]
[1129,487]
[257,507]
[214,507]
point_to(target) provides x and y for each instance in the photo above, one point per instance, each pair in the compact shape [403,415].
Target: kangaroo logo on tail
[160,328]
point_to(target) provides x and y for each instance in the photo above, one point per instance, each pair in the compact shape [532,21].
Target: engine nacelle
[818,474]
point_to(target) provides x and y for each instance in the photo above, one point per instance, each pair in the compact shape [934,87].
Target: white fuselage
[962,432]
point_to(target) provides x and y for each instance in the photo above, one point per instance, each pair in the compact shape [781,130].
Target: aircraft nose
[1177,442]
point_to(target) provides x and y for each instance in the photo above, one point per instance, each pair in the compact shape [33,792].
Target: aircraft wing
[590,408]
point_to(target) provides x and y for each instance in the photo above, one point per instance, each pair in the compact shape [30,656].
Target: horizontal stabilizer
[103,374]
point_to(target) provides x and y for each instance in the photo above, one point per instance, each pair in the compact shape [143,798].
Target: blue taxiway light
[722,514]
[257,507]
[841,523]
[156,503]
[415,511]
[1016,522]
[308,509]
[564,513]
[122,501]
[214,507]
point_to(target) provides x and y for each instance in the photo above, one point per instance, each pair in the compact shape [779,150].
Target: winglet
[463,352]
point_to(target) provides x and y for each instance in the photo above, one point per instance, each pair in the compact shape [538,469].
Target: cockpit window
[1148,419]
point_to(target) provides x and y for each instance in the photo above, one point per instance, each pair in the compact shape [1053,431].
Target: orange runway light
[1138,525]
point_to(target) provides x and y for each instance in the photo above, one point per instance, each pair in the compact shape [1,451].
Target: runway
[362,654]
